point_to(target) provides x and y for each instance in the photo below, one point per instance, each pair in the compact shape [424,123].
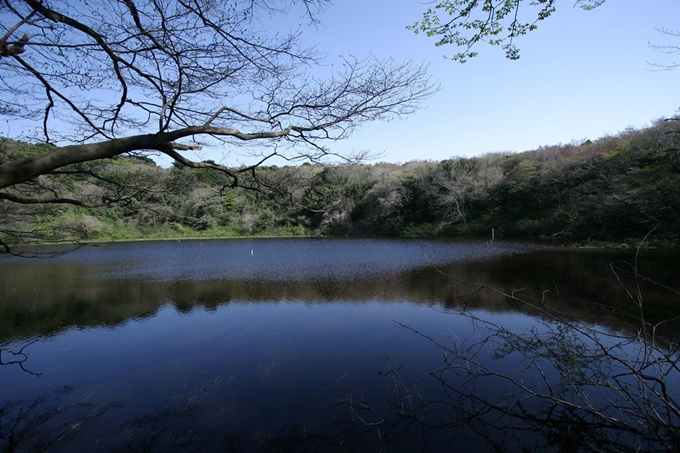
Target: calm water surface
[267,345]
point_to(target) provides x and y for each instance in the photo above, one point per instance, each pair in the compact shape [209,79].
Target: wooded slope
[616,188]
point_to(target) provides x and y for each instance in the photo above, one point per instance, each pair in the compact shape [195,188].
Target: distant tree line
[616,188]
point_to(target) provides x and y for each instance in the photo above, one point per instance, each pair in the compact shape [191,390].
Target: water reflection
[78,291]
[62,420]
[49,421]
[302,351]
[17,357]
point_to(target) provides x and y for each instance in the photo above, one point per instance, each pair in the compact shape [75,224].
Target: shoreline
[586,245]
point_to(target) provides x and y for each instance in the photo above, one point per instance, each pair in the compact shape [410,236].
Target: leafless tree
[104,78]
[462,180]
[669,49]
[572,386]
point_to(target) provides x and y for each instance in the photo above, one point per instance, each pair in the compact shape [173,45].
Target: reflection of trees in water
[181,426]
[48,421]
[64,420]
[551,391]
[343,437]
[18,357]
[575,279]
[560,385]
[175,430]
[189,425]
[574,385]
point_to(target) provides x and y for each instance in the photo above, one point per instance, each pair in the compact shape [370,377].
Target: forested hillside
[615,189]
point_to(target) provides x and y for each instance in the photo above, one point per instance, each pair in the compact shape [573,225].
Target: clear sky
[582,74]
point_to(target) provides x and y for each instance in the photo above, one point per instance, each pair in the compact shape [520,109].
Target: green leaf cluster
[465,24]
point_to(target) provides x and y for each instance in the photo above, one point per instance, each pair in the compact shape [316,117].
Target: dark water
[281,345]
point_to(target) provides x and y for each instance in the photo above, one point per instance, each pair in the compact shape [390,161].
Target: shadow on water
[48,297]
[306,345]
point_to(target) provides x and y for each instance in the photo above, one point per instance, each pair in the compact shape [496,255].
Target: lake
[287,345]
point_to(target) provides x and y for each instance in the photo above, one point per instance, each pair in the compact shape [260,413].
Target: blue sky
[582,74]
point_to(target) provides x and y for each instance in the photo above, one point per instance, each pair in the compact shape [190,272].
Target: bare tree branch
[169,70]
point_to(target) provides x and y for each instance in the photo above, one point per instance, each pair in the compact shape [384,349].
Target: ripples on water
[281,259]
[250,345]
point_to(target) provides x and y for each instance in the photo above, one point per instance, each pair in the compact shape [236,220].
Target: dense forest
[613,189]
